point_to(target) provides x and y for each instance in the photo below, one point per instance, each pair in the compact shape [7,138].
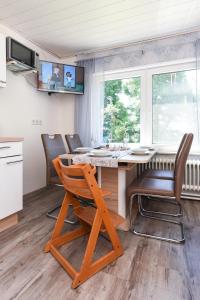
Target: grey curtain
[83,104]
[148,52]
[198,84]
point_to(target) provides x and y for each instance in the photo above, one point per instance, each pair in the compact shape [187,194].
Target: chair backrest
[79,180]
[73,141]
[53,146]
[179,150]
[180,146]
[181,163]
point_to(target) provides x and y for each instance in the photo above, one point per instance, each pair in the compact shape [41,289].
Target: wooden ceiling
[69,27]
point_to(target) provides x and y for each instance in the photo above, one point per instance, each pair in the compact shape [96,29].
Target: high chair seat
[87,194]
[87,214]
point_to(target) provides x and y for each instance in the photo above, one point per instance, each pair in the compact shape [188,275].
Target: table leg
[116,180]
[122,192]
[99,176]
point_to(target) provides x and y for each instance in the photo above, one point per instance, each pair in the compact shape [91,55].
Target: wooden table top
[137,159]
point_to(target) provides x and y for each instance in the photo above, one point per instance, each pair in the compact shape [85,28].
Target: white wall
[20,103]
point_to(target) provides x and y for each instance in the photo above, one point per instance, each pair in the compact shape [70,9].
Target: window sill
[160,149]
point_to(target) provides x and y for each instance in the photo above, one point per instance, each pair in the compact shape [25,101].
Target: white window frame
[146,73]
[150,73]
[133,74]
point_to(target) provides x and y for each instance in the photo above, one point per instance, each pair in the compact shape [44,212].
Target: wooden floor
[149,269]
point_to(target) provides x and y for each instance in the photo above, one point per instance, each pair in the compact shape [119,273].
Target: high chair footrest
[87,215]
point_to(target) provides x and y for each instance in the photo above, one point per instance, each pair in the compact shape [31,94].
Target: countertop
[11,139]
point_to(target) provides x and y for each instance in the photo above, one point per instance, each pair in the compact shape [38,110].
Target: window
[122,110]
[174,106]
[155,106]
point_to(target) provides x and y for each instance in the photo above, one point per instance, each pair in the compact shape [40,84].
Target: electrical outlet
[37,122]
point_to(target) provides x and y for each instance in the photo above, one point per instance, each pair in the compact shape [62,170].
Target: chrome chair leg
[130,211]
[52,216]
[132,229]
[178,214]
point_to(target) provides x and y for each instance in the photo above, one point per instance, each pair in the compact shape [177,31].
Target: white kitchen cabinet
[11,179]
[2,60]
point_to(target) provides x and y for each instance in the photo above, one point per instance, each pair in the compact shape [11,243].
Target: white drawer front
[10,149]
[11,185]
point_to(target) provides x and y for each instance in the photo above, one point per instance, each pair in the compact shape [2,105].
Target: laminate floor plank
[148,270]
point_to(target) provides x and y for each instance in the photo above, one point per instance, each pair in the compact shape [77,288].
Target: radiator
[191,184]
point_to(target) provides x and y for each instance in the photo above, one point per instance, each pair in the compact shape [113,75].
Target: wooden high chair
[79,180]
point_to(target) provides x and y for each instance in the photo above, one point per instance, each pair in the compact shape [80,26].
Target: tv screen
[21,53]
[55,77]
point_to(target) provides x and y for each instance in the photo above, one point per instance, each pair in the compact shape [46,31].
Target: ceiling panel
[69,27]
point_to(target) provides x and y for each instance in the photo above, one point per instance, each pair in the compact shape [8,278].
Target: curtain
[156,51]
[89,107]
[198,85]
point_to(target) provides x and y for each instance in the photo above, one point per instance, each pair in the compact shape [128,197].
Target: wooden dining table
[115,173]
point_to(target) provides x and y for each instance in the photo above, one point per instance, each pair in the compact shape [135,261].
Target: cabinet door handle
[2,81]
[5,147]
[14,162]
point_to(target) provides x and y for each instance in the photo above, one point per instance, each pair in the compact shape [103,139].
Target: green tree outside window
[122,110]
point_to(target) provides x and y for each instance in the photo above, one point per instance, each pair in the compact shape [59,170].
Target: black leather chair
[73,142]
[161,188]
[53,146]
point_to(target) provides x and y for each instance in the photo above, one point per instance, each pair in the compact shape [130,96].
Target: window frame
[146,74]
[133,74]
[157,71]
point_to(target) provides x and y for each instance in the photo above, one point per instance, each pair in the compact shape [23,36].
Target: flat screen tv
[60,78]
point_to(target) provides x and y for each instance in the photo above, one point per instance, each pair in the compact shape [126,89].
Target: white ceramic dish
[146,148]
[140,152]
[100,153]
[83,149]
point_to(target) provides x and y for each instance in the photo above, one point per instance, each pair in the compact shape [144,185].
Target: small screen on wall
[54,77]
[21,53]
